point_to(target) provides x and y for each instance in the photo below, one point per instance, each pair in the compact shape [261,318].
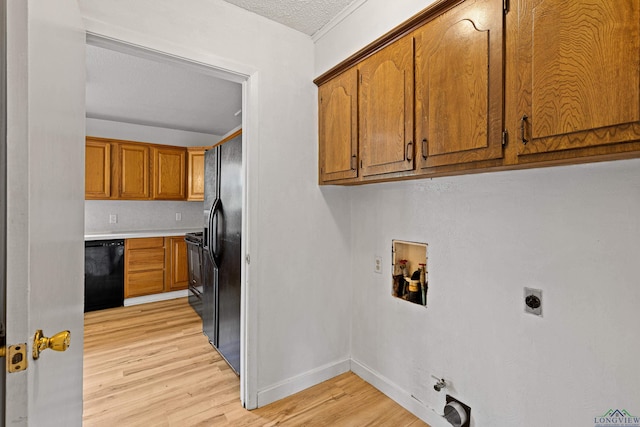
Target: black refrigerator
[221,249]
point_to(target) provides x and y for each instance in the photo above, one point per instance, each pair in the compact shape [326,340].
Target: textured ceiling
[130,89]
[307,16]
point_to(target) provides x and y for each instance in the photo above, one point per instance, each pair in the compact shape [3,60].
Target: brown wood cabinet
[386,110]
[154,265]
[128,170]
[338,131]
[459,85]
[176,267]
[144,264]
[498,86]
[97,169]
[133,171]
[195,173]
[578,74]
[169,173]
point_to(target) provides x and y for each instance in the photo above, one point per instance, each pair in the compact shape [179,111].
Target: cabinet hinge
[505,137]
[505,6]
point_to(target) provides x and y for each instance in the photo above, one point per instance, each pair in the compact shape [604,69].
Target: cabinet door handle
[424,148]
[523,121]
[410,151]
[354,162]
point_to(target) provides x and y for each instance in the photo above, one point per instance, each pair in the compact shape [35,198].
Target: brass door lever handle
[58,342]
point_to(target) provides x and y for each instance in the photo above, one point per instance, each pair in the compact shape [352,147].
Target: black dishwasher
[103,274]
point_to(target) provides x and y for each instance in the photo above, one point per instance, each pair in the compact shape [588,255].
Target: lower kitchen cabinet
[143,266]
[176,267]
[153,265]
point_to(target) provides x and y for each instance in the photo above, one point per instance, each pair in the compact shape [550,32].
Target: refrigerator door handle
[213,232]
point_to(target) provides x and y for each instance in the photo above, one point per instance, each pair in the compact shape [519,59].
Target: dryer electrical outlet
[533,301]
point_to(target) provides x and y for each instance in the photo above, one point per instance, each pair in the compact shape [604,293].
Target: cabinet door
[144,263]
[459,89]
[578,66]
[176,264]
[195,173]
[134,171]
[338,127]
[386,110]
[169,173]
[97,170]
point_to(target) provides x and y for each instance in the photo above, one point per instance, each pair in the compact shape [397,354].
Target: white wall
[298,279]
[151,134]
[134,215]
[370,20]
[143,215]
[573,232]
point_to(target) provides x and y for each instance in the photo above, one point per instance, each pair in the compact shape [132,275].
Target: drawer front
[145,259]
[146,242]
[144,283]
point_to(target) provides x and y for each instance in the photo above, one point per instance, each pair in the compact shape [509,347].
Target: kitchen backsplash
[141,215]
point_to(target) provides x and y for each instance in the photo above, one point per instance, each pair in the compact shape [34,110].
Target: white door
[45,206]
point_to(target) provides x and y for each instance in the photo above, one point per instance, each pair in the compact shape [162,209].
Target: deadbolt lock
[58,342]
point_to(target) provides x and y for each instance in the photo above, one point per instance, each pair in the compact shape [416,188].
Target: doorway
[188,66]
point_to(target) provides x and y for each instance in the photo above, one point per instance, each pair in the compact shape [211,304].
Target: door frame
[3,198]
[248,77]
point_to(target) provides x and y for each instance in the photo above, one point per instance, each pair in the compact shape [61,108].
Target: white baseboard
[400,396]
[155,297]
[301,382]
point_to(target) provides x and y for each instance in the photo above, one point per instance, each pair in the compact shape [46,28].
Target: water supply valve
[440,384]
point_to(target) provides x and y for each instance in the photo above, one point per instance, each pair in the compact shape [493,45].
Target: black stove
[195,237]
[194,258]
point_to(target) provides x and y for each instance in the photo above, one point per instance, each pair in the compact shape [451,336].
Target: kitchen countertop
[108,235]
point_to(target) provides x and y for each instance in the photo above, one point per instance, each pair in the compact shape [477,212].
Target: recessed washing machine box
[410,278]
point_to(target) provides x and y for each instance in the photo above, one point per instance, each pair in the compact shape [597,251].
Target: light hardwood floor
[150,365]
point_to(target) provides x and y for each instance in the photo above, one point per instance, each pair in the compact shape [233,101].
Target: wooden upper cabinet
[338,127]
[459,90]
[169,173]
[195,173]
[578,69]
[549,82]
[386,110]
[97,169]
[133,171]
[129,170]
